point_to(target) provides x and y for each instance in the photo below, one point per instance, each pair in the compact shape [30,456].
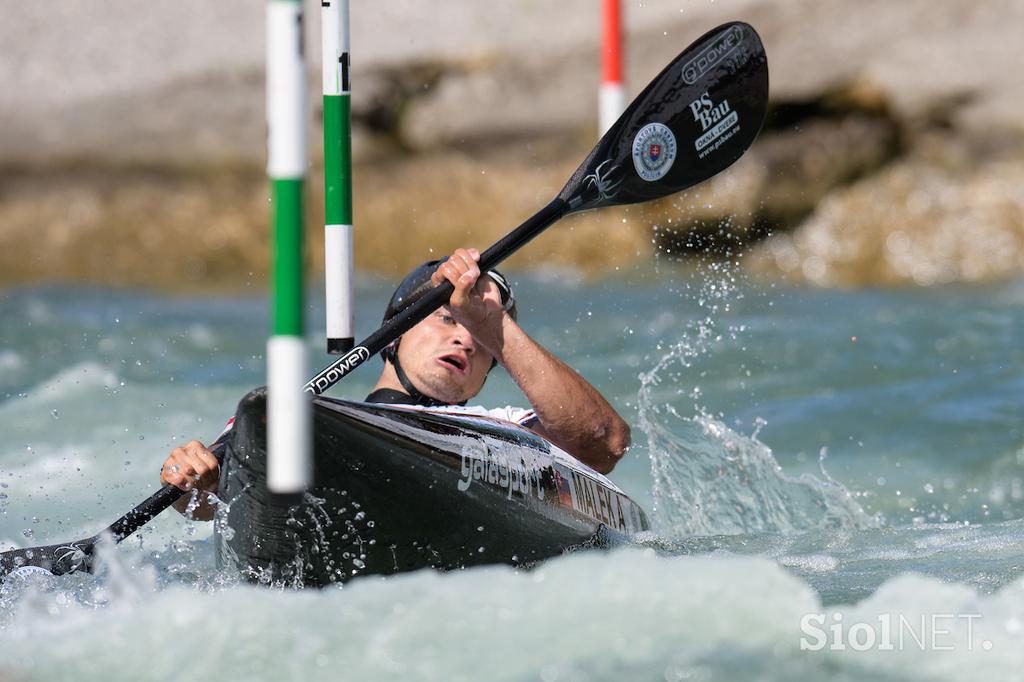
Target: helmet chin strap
[418,397]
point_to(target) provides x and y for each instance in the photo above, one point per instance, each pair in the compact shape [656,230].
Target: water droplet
[27,532]
[53,413]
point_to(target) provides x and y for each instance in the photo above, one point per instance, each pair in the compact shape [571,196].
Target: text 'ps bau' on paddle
[696,118]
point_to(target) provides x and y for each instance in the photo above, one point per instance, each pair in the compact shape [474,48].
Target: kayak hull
[398,489]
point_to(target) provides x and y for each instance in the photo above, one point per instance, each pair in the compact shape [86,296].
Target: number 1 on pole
[337,175]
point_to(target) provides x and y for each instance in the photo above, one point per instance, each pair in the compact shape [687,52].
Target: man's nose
[462,337]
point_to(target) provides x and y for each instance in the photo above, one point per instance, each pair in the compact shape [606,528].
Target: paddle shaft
[157,502]
[434,299]
[406,320]
[76,556]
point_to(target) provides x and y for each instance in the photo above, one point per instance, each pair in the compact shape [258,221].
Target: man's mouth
[454,361]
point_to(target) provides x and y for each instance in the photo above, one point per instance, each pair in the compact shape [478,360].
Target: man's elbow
[614,444]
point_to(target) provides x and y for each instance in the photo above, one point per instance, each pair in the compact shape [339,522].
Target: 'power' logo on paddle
[330,376]
[720,48]
[654,150]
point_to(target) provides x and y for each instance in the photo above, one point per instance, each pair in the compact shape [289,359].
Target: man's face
[442,360]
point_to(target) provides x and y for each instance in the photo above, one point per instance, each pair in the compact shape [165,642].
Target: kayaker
[444,361]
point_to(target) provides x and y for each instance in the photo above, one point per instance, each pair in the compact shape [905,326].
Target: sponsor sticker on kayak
[586,495]
[495,467]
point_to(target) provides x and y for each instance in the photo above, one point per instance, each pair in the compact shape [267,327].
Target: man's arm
[572,413]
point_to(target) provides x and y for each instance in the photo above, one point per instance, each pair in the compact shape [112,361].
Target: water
[818,464]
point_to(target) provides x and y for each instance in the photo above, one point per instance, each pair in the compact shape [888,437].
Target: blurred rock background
[132,139]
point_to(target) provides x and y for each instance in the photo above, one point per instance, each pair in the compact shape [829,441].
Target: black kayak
[398,488]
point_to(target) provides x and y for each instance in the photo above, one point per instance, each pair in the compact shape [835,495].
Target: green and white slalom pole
[289,462]
[337,176]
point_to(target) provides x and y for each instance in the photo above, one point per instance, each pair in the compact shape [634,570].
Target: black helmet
[417,283]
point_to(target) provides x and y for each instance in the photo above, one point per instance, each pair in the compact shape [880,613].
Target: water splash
[707,478]
[120,579]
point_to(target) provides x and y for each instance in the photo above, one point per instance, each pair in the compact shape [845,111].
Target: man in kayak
[444,361]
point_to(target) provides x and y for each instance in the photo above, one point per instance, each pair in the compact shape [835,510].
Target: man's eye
[446,318]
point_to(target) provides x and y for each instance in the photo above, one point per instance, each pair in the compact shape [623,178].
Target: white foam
[814,563]
[628,614]
[84,377]
[938,630]
[50,464]
[10,361]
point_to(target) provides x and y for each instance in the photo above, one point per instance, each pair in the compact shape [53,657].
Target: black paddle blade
[694,120]
[53,559]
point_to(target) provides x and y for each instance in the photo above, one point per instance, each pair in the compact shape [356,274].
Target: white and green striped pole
[337,176]
[289,466]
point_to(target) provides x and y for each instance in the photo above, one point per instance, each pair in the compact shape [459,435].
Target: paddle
[78,555]
[697,117]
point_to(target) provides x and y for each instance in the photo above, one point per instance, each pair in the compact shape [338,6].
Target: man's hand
[192,467]
[476,301]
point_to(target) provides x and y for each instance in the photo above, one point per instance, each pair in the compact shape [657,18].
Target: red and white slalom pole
[612,95]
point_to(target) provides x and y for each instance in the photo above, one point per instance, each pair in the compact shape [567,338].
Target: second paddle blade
[694,120]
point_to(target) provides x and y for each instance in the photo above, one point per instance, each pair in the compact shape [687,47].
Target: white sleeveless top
[516,415]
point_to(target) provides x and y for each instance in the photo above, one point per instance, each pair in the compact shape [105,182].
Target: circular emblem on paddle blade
[654,150]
